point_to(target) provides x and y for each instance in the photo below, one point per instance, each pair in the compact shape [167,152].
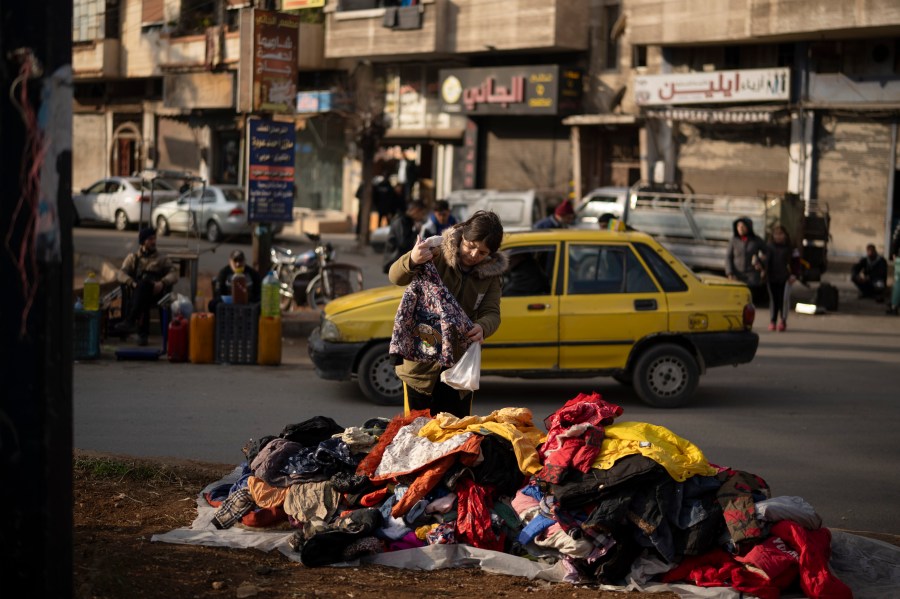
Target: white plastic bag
[465,374]
[181,305]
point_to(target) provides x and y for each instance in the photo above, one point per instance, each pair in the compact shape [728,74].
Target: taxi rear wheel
[665,376]
[377,378]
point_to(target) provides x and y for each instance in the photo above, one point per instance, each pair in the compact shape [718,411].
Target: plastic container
[202,338]
[269,353]
[86,335]
[178,340]
[91,293]
[239,293]
[271,296]
[236,333]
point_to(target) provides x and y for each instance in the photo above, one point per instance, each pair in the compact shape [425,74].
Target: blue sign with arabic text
[270,180]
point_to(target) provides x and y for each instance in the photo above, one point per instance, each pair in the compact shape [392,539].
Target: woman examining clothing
[471,268]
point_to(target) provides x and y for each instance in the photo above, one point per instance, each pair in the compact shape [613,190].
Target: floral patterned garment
[429,323]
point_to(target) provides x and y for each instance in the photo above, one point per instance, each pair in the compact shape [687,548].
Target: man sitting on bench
[149,275]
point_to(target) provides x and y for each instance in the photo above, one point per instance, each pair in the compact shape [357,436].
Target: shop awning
[424,134]
[602,119]
[735,116]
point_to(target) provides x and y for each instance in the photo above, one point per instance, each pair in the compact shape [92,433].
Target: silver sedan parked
[123,201]
[215,211]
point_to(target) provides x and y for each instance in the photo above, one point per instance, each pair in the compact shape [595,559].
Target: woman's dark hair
[483,226]
[787,236]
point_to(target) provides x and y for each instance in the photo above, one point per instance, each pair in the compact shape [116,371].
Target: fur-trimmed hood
[493,266]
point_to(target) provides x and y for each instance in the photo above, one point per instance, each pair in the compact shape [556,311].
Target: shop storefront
[725,132]
[514,117]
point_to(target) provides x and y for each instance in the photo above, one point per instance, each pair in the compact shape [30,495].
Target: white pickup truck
[698,227]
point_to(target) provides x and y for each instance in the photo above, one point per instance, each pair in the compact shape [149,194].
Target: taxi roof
[576,235]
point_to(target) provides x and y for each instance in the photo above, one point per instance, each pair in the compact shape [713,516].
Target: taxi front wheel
[377,378]
[665,376]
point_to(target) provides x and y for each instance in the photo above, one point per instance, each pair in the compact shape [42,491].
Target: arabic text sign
[298,4]
[716,87]
[275,38]
[545,89]
[270,187]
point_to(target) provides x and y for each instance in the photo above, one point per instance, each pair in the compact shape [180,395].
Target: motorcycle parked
[313,277]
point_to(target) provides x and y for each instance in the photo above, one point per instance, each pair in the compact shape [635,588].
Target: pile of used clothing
[613,501]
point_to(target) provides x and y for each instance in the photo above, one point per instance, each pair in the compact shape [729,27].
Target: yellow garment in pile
[265,495]
[681,458]
[513,424]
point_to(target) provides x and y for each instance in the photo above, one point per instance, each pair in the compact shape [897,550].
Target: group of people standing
[769,269]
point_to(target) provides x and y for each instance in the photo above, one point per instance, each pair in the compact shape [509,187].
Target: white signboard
[716,87]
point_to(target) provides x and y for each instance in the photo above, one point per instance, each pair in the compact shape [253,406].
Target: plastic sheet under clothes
[869,567]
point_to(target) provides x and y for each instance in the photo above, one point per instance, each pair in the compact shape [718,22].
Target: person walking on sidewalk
[894,307]
[745,260]
[149,275]
[782,270]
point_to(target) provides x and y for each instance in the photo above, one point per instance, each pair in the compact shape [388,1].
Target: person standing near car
[471,267]
[562,217]
[745,259]
[402,233]
[150,275]
[439,221]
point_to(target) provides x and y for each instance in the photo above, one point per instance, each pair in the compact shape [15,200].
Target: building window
[152,12]
[732,57]
[88,20]
[612,36]
[638,56]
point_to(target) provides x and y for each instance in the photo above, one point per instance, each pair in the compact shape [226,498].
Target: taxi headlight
[329,331]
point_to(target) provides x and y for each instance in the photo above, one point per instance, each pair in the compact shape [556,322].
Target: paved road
[815,414]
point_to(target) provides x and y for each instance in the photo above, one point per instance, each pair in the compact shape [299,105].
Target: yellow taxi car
[576,303]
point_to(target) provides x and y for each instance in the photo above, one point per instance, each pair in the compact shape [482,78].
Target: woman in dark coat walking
[746,259]
[782,270]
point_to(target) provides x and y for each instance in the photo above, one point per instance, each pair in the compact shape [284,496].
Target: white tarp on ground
[870,568]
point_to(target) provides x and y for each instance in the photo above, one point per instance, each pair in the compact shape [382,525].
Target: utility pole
[368,123]
[36,320]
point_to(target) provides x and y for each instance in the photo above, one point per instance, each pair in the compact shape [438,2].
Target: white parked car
[600,202]
[123,201]
[215,211]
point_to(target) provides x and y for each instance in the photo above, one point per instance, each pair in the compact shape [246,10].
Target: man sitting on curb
[150,275]
[870,274]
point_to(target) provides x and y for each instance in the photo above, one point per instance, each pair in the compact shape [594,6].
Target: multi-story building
[763,96]
[157,87]
[776,96]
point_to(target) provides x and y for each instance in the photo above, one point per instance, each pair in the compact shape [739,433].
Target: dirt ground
[121,502]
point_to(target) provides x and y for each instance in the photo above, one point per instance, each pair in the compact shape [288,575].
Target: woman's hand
[421,252]
[476,334]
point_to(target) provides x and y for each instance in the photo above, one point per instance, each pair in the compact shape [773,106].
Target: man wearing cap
[561,218]
[150,275]
[237,264]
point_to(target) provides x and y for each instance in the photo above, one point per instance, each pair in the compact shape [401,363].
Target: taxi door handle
[538,306]
[644,305]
